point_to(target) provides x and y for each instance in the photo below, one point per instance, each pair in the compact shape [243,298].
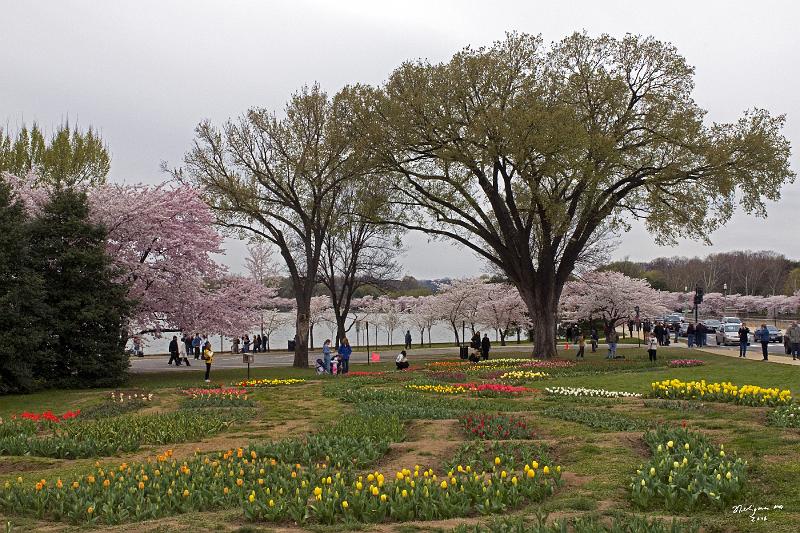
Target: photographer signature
[756,513]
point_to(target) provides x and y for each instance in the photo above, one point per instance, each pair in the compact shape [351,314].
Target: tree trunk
[455,330]
[340,331]
[302,328]
[544,333]
[503,337]
[542,303]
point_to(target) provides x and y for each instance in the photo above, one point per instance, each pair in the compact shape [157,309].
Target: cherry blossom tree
[611,296]
[162,240]
[457,303]
[387,313]
[423,315]
[502,309]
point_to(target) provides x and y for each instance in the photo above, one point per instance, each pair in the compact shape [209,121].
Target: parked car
[712,325]
[684,328]
[729,334]
[730,320]
[775,335]
[671,320]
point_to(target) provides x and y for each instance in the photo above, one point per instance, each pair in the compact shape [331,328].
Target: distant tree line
[757,273]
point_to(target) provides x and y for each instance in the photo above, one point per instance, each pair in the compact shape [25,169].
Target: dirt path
[429,444]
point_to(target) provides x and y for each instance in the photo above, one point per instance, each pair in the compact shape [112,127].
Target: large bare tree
[522,153]
[276,179]
[357,251]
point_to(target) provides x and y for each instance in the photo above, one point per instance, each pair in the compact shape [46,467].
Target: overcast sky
[146,72]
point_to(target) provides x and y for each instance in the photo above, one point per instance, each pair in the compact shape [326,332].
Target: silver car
[728,334]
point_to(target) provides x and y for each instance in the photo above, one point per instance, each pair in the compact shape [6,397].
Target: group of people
[791,340]
[335,364]
[480,347]
[258,343]
[198,346]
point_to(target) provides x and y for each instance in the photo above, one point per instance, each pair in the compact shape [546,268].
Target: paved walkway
[776,353]
[158,363]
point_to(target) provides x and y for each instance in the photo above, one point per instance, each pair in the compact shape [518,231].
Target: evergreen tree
[87,309]
[21,299]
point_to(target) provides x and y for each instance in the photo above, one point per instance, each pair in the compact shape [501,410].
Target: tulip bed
[593,393]
[268,382]
[299,480]
[483,454]
[604,420]
[481,389]
[495,426]
[524,375]
[407,404]
[108,436]
[682,363]
[687,472]
[751,395]
[787,416]
[220,397]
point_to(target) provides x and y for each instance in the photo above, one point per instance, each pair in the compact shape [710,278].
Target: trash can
[291,346]
[463,351]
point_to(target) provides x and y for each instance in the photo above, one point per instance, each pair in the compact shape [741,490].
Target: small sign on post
[248,358]
[376,357]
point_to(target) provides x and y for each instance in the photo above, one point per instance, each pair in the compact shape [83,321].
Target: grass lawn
[598,442]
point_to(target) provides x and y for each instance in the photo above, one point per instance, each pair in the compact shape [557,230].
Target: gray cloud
[146,73]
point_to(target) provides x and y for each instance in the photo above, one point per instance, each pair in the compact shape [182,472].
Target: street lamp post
[638,339]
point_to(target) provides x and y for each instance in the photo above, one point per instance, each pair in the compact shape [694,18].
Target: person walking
[196,345]
[744,340]
[581,346]
[173,351]
[208,357]
[652,346]
[793,335]
[631,323]
[326,355]
[137,347]
[595,339]
[568,335]
[344,352]
[486,345]
[659,333]
[612,337]
[762,336]
[401,361]
[246,344]
[690,335]
[701,334]
[646,329]
[235,345]
[408,339]
[183,355]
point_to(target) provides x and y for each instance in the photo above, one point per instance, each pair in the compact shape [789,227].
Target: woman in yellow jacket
[208,357]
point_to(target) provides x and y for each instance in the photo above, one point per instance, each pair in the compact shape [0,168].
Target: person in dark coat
[475,342]
[173,351]
[700,334]
[595,338]
[408,339]
[486,345]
